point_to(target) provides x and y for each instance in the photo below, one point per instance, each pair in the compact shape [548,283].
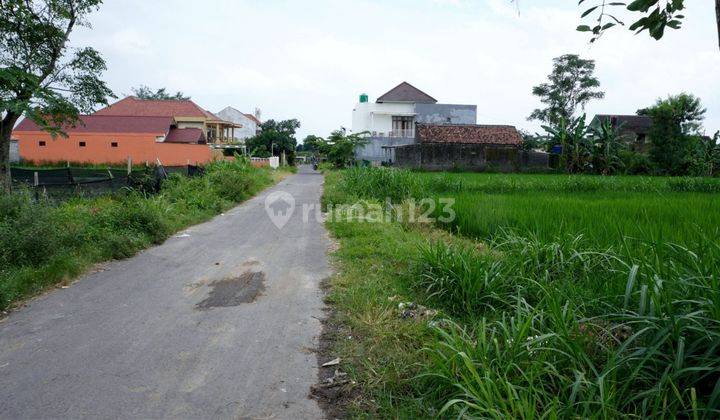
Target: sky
[311,59]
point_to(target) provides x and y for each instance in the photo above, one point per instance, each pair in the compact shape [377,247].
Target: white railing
[409,132]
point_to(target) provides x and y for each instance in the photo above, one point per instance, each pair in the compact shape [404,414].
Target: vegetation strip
[564,304]
[43,243]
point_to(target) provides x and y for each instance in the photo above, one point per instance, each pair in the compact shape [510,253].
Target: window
[41,143]
[113,144]
[402,126]
[82,144]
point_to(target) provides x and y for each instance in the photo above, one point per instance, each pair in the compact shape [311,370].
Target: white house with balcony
[391,119]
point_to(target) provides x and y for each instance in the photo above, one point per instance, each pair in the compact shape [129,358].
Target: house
[250,122]
[185,113]
[633,129]
[390,120]
[101,139]
[467,146]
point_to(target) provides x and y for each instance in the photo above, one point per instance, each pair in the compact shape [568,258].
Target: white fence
[273,162]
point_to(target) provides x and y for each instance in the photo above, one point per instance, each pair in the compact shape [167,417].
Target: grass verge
[45,243]
[600,316]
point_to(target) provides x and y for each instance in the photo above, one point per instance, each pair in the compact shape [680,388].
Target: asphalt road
[218,322]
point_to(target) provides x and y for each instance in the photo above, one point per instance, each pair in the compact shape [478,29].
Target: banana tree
[606,147]
[576,147]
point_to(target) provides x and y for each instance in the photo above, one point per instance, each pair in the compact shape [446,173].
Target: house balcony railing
[403,133]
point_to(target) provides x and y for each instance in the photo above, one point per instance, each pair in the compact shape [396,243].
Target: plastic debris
[333,362]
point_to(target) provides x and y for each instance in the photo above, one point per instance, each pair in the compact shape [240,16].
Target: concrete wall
[446,114]
[14,152]
[374,117]
[381,149]
[98,149]
[470,157]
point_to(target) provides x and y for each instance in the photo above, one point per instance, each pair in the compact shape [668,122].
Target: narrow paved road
[218,322]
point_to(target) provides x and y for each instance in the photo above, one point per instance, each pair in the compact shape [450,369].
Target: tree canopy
[39,76]
[675,132]
[570,86]
[144,92]
[339,147]
[274,138]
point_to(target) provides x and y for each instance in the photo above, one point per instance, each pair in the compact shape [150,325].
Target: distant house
[185,114]
[103,139]
[250,123]
[467,146]
[391,119]
[634,129]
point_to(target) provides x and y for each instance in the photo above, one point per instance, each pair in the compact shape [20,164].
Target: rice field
[559,296]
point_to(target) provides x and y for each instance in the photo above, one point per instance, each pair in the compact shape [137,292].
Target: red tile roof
[186,135]
[109,124]
[467,133]
[132,106]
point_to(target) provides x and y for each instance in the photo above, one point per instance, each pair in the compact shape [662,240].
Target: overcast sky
[311,59]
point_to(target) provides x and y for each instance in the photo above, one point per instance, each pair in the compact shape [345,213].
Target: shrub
[43,242]
[636,163]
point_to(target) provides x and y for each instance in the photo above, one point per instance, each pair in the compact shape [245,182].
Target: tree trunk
[717,17]
[6,127]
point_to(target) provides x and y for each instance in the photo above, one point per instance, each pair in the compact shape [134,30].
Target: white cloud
[309,60]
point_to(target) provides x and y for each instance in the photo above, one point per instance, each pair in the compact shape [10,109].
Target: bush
[42,242]
[636,163]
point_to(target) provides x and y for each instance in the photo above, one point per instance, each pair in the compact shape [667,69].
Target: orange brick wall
[98,150]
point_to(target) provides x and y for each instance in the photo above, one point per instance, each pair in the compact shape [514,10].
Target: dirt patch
[234,291]
[333,392]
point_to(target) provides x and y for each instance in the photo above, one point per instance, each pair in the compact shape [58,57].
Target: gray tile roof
[405,92]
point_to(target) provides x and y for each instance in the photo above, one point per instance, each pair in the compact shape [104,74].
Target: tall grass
[42,243]
[588,297]
[573,332]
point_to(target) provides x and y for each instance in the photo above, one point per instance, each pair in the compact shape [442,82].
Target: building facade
[185,113]
[441,147]
[390,121]
[111,139]
[250,122]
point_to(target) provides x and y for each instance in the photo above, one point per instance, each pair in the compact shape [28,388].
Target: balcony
[400,133]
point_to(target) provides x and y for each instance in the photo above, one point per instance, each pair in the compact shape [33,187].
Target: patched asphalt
[214,323]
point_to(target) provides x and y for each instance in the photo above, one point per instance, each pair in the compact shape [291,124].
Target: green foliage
[533,141]
[606,148]
[636,163]
[569,303]
[310,143]
[577,149]
[38,78]
[572,84]
[144,92]
[656,16]
[381,183]
[339,148]
[274,138]
[42,243]
[676,120]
